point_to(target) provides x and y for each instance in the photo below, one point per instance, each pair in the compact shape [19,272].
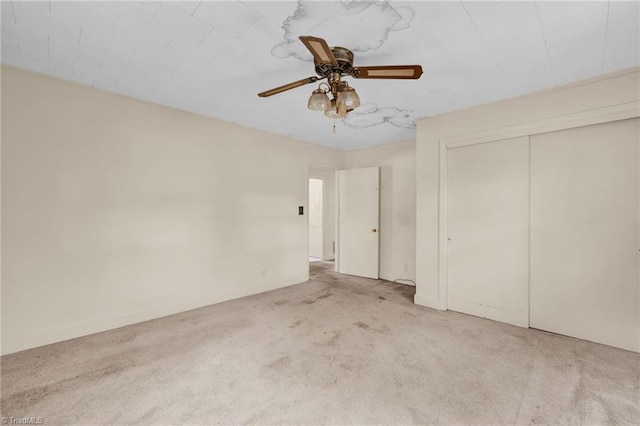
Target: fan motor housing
[343,56]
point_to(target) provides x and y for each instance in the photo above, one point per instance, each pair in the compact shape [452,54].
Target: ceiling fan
[333,63]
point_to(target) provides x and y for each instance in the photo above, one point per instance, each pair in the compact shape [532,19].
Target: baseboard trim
[56,335]
[429,302]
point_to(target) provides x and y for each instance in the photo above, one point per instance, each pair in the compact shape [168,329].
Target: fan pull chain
[334,126]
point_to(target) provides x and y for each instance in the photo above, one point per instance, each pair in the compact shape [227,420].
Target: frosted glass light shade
[348,99]
[319,101]
[334,111]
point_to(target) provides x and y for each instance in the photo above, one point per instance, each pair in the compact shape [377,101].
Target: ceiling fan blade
[288,87]
[319,49]
[388,71]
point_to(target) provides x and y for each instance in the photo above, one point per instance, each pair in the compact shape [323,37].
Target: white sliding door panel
[488,230]
[358,221]
[584,233]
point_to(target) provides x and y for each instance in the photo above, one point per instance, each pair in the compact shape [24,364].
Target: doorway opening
[316,219]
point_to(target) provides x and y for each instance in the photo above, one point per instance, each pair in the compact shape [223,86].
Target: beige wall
[116,211]
[397,205]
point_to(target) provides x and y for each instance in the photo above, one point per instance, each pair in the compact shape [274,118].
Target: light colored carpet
[335,350]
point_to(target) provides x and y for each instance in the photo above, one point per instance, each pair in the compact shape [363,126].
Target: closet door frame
[569,121]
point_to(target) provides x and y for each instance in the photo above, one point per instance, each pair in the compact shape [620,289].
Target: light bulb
[319,101]
[334,111]
[348,99]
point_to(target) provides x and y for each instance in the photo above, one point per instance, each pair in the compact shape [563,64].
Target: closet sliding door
[488,230]
[584,233]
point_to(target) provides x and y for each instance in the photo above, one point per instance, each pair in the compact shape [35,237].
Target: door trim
[326,174]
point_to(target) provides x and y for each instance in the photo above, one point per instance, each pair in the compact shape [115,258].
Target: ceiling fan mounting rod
[335,83]
[334,77]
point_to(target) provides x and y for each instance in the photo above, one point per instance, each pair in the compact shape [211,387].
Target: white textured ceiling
[212,58]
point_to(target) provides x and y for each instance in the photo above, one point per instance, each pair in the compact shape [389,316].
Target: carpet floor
[335,350]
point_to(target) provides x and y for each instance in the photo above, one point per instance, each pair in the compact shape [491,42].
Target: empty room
[320,212]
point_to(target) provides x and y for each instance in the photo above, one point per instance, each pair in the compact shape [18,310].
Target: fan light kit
[332,63]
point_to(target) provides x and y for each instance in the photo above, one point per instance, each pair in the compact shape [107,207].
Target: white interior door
[488,230]
[584,233]
[358,221]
